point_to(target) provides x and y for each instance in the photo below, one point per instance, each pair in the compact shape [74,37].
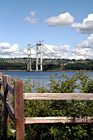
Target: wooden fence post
[19,109]
[6,79]
[0,107]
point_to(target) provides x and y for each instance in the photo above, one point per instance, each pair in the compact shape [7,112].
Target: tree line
[49,66]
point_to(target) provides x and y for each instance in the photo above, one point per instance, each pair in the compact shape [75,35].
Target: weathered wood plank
[58,96]
[1,97]
[10,109]
[19,109]
[11,89]
[1,76]
[6,79]
[33,120]
[1,82]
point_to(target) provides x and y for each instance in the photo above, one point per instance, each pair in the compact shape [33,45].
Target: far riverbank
[48,70]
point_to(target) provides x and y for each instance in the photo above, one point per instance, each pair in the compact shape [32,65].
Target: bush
[61,131]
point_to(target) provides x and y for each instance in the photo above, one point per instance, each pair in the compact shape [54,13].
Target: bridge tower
[39,56]
[29,67]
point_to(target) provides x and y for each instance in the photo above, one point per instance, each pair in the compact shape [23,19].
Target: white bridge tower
[39,57]
[29,67]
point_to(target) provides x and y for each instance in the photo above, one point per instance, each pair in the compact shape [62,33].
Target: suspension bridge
[41,51]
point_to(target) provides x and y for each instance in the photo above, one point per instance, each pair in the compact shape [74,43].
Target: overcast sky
[66,26]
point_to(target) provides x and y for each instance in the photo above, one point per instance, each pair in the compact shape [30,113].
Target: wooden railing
[17,113]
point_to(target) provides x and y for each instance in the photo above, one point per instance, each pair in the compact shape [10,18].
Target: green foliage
[48,64]
[62,131]
[86,84]
[28,86]
[79,66]
[12,66]
[51,67]
[63,84]
[60,108]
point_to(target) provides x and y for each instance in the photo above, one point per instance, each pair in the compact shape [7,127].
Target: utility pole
[29,68]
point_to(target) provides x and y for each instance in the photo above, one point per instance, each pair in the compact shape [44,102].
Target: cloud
[84,50]
[32,13]
[52,51]
[7,49]
[81,53]
[86,27]
[60,20]
[23,53]
[31,19]
[87,43]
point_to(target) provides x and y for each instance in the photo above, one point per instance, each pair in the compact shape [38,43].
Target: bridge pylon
[39,57]
[29,66]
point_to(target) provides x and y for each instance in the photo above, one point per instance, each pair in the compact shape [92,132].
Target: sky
[65,26]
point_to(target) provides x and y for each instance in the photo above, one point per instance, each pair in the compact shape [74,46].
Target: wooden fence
[17,113]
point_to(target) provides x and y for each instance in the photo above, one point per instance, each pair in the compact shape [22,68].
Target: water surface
[40,79]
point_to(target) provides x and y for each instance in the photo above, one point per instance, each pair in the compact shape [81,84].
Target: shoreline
[48,70]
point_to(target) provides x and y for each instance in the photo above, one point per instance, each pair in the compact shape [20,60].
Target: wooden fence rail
[17,113]
[81,120]
[58,96]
